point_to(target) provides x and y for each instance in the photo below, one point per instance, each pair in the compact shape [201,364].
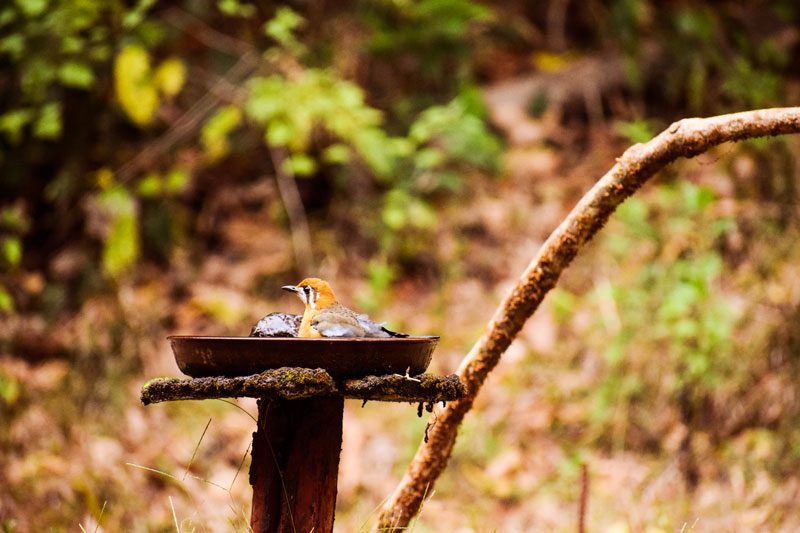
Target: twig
[685,138]
[298,222]
[584,501]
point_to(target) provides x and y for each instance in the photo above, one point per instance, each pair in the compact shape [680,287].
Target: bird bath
[301,385]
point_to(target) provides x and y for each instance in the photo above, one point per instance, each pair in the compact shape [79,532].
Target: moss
[292,383]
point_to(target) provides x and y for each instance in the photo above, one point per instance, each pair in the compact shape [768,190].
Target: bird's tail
[393,333]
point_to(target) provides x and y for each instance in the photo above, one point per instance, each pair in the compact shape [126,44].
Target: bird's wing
[371,329]
[337,321]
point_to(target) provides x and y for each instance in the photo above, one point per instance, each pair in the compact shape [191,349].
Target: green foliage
[442,141]
[664,324]
[235,8]
[380,275]
[636,131]
[214,135]
[433,31]
[715,60]
[51,46]
[121,246]
[282,29]
[6,302]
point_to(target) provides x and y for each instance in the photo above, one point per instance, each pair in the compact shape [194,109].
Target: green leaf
[149,186]
[214,134]
[9,387]
[121,247]
[170,77]
[636,131]
[176,180]
[134,86]
[234,8]
[6,301]
[32,8]
[300,165]
[12,123]
[7,16]
[76,74]
[336,153]
[428,158]
[282,26]
[12,251]
[280,133]
[13,45]
[48,124]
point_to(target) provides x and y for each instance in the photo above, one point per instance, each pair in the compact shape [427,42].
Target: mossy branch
[293,383]
[685,138]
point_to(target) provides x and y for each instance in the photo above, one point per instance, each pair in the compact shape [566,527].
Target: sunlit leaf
[300,165]
[134,86]
[176,180]
[48,124]
[76,74]
[9,387]
[280,133]
[149,186]
[282,26]
[12,45]
[428,158]
[6,301]
[214,135]
[12,251]
[12,123]
[121,246]
[32,8]
[267,98]
[235,8]
[336,153]
[170,77]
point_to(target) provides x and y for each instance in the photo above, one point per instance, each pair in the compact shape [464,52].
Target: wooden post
[296,446]
[295,465]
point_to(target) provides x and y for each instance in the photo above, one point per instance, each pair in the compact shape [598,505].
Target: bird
[324,316]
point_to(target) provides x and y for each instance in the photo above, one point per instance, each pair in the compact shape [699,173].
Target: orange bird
[325,317]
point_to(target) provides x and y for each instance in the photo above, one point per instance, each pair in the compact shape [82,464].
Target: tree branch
[685,138]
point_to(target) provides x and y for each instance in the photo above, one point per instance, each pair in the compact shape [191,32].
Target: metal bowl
[341,357]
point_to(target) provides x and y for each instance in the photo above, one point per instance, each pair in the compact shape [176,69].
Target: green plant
[663,326]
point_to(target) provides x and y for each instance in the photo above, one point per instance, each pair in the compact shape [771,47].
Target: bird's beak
[290,288]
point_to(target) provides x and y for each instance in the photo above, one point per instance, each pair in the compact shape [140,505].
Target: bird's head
[314,292]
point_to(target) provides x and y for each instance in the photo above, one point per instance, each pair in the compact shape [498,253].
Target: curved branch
[685,138]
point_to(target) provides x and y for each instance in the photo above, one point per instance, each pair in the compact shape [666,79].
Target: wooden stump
[295,463]
[296,446]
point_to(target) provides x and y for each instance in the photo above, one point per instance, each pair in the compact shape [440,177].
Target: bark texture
[685,138]
[295,462]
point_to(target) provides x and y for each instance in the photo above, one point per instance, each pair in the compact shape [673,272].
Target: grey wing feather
[337,321]
[371,329]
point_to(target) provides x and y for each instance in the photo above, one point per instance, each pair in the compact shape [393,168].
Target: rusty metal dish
[341,358]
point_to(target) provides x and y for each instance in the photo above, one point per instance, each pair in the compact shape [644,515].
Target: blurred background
[165,167]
